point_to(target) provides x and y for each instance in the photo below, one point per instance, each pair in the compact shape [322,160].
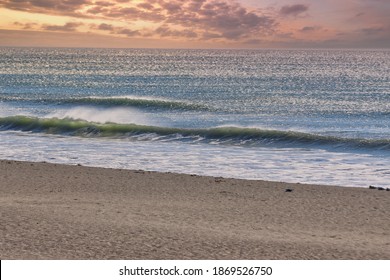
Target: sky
[196,23]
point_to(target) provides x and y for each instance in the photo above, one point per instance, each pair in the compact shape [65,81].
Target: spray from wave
[101,115]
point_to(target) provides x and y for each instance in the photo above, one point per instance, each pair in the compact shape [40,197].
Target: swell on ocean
[113,101]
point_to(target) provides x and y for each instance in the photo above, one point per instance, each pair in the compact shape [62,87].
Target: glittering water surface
[308,116]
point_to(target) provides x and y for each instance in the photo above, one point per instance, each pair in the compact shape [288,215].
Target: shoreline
[54,211]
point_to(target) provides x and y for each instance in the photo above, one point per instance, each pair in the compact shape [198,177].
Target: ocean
[307,116]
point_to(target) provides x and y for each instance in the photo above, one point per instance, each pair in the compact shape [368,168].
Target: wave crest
[118,101]
[217,135]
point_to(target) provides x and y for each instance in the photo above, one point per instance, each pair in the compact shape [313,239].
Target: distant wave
[123,101]
[217,135]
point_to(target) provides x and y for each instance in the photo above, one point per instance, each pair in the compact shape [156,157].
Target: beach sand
[52,211]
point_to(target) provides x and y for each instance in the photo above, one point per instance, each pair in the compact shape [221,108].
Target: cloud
[58,7]
[67,27]
[285,35]
[76,39]
[293,10]
[253,42]
[145,6]
[115,29]
[132,13]
[165,31]
[208,35]
[171,7]
[229,20]
[26,25]
[105,27]
[359,14]
[104,3]
[372,30]
[308,29]
[207,19]
[128,32]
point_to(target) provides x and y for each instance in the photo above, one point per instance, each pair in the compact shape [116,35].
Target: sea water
[308,116]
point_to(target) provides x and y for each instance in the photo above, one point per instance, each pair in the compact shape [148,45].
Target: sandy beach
[52,211]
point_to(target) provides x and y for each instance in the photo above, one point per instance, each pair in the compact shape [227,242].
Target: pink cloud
[189,19]
[293,10]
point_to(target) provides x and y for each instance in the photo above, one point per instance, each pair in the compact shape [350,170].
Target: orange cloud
[186,19]
[202,22]
[67,27]
[58,7]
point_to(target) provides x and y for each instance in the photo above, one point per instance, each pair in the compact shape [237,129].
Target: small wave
[101,115]
[122,101]
[217,135]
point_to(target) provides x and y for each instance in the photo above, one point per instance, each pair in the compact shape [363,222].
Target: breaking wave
[218,135]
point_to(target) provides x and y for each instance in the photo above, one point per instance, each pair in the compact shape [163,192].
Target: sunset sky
[196,23]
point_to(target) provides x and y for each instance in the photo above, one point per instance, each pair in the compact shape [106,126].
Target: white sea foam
[288,165]
[133,97]
[100,115]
